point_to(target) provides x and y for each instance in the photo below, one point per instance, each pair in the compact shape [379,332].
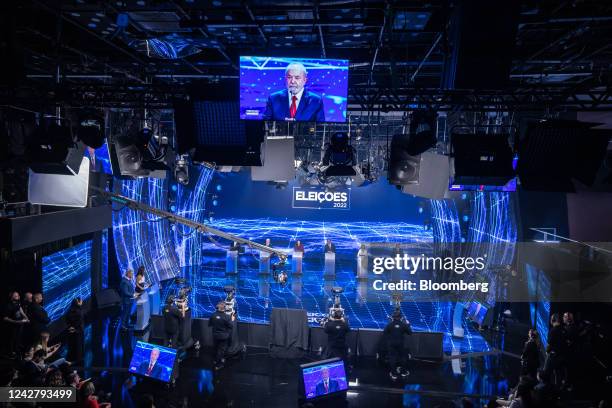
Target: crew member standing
[173,315]
[336,328]
[394,334]
[556,351]
[14,320]
[221,325]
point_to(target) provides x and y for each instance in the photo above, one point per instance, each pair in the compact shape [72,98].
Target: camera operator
[394,334]
[221,324]
[336,328]
[173,315]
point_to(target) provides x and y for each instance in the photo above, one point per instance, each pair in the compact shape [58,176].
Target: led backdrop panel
[66,275]
[263,85]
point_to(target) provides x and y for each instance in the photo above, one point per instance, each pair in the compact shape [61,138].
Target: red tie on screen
[150,369]
[326,387]
[293,108]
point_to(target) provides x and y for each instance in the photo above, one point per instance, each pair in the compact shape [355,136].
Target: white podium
[296,263]
[154,299]
[264,263]
[330,264]
[231,262]
[362,264]
[143,312]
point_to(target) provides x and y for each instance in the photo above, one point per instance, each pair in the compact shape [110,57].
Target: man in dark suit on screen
[149,367]
[295,103]
[326,385]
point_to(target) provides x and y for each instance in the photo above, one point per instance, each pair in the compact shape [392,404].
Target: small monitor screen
[151,360]
[472,309]
[99,159]
[323,378]
[480,315]
[294,89]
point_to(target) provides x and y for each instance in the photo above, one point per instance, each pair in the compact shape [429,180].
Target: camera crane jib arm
[136,206]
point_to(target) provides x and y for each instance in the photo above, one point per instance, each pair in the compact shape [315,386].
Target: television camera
[336,310]
[230,300]
[278,273]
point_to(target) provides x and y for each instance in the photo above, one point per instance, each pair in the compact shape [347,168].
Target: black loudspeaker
[53,151]
[403,167]
[481,41]
[427,346]
[553,152]
[484,159]
[107,298]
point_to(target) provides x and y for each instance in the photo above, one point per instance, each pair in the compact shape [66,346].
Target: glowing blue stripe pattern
[65,275]
[142,239]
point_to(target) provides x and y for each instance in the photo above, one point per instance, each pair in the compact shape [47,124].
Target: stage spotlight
[422,132]
[420,210]
[91,129]
[215,203]
[135,155]
[339,156]
[174,187]
[218,187]
[53,150]
[173,208]
[465,218]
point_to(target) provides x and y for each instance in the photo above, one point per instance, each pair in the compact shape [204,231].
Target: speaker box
[554,152]
[107,298]
[432,177]
[482,37]
[482,159]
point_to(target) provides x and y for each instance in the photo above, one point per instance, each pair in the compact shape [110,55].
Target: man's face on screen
[296,79]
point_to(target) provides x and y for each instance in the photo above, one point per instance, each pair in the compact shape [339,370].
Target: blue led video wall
[66,275]
[538,285]
[258,210]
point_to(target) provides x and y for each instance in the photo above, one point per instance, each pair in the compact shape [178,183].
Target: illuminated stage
[257,295]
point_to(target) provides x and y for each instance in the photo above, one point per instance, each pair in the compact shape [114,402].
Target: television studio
[326,203]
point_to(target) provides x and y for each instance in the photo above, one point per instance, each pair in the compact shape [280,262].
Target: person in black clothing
[14,320]
[75,321]
[572,337]
[39,319]
[393,336]
[544,393]
[556,350]
[173,315]
[140,281]
[221,325]
[530,358]
[336,328]
[26,302]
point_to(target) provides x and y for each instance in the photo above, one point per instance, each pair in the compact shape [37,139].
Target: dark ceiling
[563,46]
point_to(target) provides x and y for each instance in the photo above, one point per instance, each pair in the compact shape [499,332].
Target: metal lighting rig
[173,218]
